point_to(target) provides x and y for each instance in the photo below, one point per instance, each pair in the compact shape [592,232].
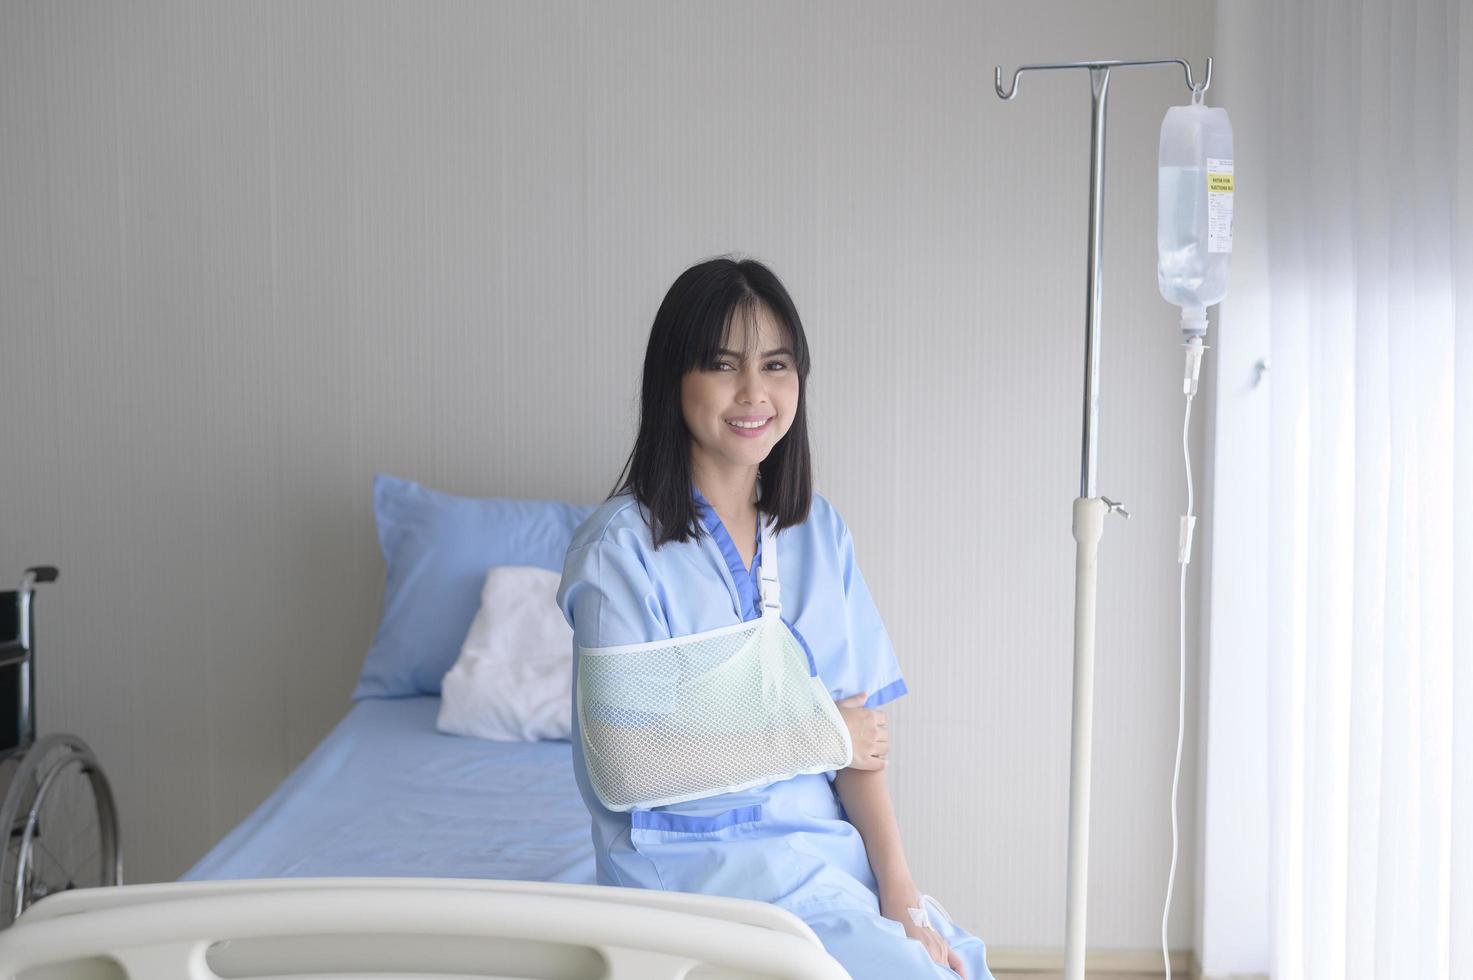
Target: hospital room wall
[252,254]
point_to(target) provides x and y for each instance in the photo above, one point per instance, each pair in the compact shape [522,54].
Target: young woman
[676,551]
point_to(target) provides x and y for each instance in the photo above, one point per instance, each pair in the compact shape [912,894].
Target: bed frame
[300,928]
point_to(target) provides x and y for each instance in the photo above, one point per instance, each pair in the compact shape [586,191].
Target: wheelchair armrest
[12,653]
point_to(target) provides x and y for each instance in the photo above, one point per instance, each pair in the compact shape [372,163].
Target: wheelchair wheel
[62,825]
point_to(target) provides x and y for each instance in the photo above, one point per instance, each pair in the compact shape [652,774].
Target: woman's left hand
[936,947]
[869,733]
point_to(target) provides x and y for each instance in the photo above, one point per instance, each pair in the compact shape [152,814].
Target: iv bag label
[1219,205]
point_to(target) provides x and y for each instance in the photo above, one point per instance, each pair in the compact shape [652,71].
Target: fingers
[868,731]
[935,946]
[873,747]
[876,748]
[941,953]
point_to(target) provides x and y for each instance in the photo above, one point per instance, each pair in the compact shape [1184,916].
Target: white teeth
[748,425]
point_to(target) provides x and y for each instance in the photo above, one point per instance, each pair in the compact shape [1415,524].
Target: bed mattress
[385,794]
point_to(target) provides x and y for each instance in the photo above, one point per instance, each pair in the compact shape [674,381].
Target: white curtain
[1369,143]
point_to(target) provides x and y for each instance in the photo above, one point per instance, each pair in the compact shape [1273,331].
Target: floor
[1089,976]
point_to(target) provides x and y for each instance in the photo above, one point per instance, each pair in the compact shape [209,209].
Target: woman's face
[755,382]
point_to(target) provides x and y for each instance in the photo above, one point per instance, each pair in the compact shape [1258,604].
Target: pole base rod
[1089,523]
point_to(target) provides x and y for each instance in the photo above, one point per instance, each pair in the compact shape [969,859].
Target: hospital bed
[399,851]
[375,857]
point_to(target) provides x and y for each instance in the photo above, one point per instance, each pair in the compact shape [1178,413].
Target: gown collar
[743,579]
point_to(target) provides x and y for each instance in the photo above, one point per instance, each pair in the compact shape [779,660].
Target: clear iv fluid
[1194,211]
[1188,274]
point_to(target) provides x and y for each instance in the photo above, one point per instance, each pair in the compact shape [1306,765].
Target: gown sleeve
[871,655]
[607,596]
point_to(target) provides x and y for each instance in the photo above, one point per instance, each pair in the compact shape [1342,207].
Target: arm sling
[713,712]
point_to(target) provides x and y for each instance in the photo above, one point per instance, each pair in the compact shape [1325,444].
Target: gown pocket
[690,826]
[732,853]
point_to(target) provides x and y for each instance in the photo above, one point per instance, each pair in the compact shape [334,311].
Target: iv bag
[1194,226]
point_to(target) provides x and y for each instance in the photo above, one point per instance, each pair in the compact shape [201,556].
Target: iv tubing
[1184,556]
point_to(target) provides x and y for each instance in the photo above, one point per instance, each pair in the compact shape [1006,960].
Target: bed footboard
[406,927]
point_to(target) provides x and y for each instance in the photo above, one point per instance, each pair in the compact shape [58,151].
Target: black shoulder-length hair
[688,333]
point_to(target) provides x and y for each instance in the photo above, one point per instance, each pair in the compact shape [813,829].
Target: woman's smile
[750,428]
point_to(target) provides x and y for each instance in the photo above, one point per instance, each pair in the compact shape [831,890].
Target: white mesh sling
[709,713]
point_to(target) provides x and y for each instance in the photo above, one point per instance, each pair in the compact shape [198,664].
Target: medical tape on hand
[920,917]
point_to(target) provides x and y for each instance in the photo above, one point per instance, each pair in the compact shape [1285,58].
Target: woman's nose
[753,386]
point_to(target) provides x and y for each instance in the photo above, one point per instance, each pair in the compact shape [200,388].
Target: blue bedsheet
[386,794]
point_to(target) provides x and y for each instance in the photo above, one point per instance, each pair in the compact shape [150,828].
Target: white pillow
[513,681]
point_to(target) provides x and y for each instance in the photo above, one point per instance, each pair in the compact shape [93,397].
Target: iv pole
[1089,510]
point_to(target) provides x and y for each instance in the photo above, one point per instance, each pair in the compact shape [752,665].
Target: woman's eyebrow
[769,353]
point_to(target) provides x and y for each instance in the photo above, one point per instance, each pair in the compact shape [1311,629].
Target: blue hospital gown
[787,843]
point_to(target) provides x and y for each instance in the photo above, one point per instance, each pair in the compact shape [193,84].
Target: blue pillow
[437,549]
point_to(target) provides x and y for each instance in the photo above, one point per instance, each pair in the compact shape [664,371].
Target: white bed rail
[301,928]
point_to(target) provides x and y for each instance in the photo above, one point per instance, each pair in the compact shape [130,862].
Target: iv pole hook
[1007,94]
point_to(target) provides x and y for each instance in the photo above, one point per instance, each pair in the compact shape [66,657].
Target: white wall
[252,254]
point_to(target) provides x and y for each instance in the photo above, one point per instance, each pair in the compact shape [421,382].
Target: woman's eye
[728,366]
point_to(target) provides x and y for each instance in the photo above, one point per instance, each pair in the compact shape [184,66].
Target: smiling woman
[727,349]
[710,692]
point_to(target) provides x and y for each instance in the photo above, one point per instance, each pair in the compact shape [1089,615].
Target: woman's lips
[750,433]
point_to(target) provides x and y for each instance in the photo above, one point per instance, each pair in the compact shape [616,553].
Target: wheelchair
[58,815]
